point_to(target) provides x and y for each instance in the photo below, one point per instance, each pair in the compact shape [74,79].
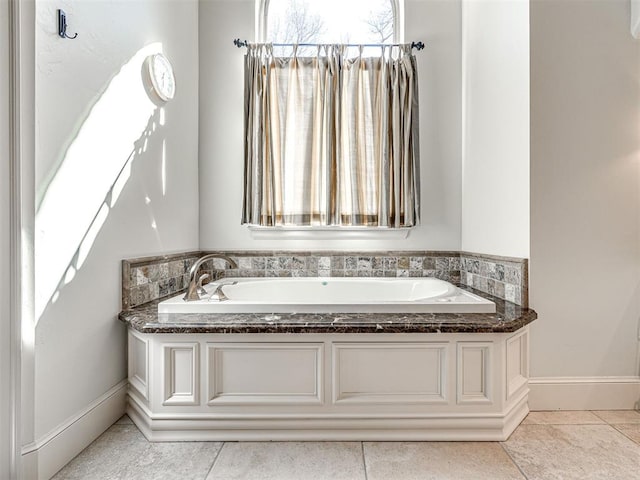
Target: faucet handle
[219,294]
[201,279]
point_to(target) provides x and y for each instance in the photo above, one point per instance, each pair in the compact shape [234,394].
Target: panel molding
[517,361]
[215,377]
[439,368]
[173,376]
[333,386]
[466,394]
[138,345]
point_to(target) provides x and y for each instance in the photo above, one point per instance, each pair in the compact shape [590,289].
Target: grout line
[214,461]
[608,422]
[576,424]
[513,461]
[594,412]
[364,462]
[624,434]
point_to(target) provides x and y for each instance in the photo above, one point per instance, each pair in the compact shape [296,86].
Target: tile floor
[548,445]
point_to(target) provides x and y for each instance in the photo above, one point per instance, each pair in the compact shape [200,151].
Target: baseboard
[44,457]
[584,393]
[447,427]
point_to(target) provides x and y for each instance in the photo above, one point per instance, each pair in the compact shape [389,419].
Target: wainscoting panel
[250,373]
[377,386]
[474,373]
[181,373]
[390,373]
[517,364]
[139,364]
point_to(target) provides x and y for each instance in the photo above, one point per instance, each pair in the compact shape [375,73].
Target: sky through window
[330,21]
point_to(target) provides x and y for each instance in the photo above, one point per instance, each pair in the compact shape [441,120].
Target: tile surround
[339,264]
[502,277]
[151,278]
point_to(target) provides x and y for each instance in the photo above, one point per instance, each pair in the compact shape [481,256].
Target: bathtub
[332,295]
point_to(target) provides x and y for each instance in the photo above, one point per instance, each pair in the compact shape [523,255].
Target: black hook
[62,25]
[239,43]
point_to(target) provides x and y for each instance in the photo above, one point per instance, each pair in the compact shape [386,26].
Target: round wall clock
[160,74]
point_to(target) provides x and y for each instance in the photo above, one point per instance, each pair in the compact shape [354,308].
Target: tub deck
[331,376]
[508,317]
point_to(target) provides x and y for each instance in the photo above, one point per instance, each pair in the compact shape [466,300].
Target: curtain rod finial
[240,43]
[417,45]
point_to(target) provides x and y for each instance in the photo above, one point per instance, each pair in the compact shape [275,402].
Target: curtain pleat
[331,139]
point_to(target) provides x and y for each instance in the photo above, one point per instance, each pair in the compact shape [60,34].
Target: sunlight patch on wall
[91,177]
[164,168]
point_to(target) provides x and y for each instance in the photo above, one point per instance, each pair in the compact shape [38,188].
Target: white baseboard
[43,458]
[185,427]
[584,393]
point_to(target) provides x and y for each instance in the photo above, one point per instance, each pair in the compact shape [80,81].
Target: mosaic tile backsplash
[502,277]
[151,278]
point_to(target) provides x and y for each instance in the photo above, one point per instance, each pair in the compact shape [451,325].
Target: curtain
[331,139]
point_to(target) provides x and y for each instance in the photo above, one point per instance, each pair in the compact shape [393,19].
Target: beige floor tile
[631,430]
[98,459]
[557,417]
[581,452]
[619,416]
[438,461]
[289,461]
[122,452]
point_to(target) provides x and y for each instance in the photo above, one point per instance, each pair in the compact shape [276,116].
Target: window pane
[330,21]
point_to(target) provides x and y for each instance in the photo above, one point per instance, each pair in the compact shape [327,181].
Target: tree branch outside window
[380,22]
[299,25]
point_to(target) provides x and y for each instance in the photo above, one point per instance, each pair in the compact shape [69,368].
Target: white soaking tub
[332,295]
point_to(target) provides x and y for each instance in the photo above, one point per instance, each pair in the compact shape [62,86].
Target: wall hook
[62,25]
[239,43]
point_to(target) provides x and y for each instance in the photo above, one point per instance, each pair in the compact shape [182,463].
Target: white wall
[5,259]
[495,172]
[585,190]
[436,22]
[80,344]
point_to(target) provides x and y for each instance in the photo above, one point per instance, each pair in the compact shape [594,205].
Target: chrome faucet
[195,288]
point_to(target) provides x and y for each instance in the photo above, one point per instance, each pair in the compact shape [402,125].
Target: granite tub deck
[508,317]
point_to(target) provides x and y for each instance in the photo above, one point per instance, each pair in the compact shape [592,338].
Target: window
[331,136]
[330,21]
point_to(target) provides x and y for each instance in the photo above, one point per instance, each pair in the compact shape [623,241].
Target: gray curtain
[331,138]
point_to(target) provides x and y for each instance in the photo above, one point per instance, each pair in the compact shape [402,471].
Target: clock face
[162,79]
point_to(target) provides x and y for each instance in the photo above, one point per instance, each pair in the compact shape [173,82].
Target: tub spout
[192,290]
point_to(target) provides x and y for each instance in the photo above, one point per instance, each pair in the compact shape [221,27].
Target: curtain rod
[417,45]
